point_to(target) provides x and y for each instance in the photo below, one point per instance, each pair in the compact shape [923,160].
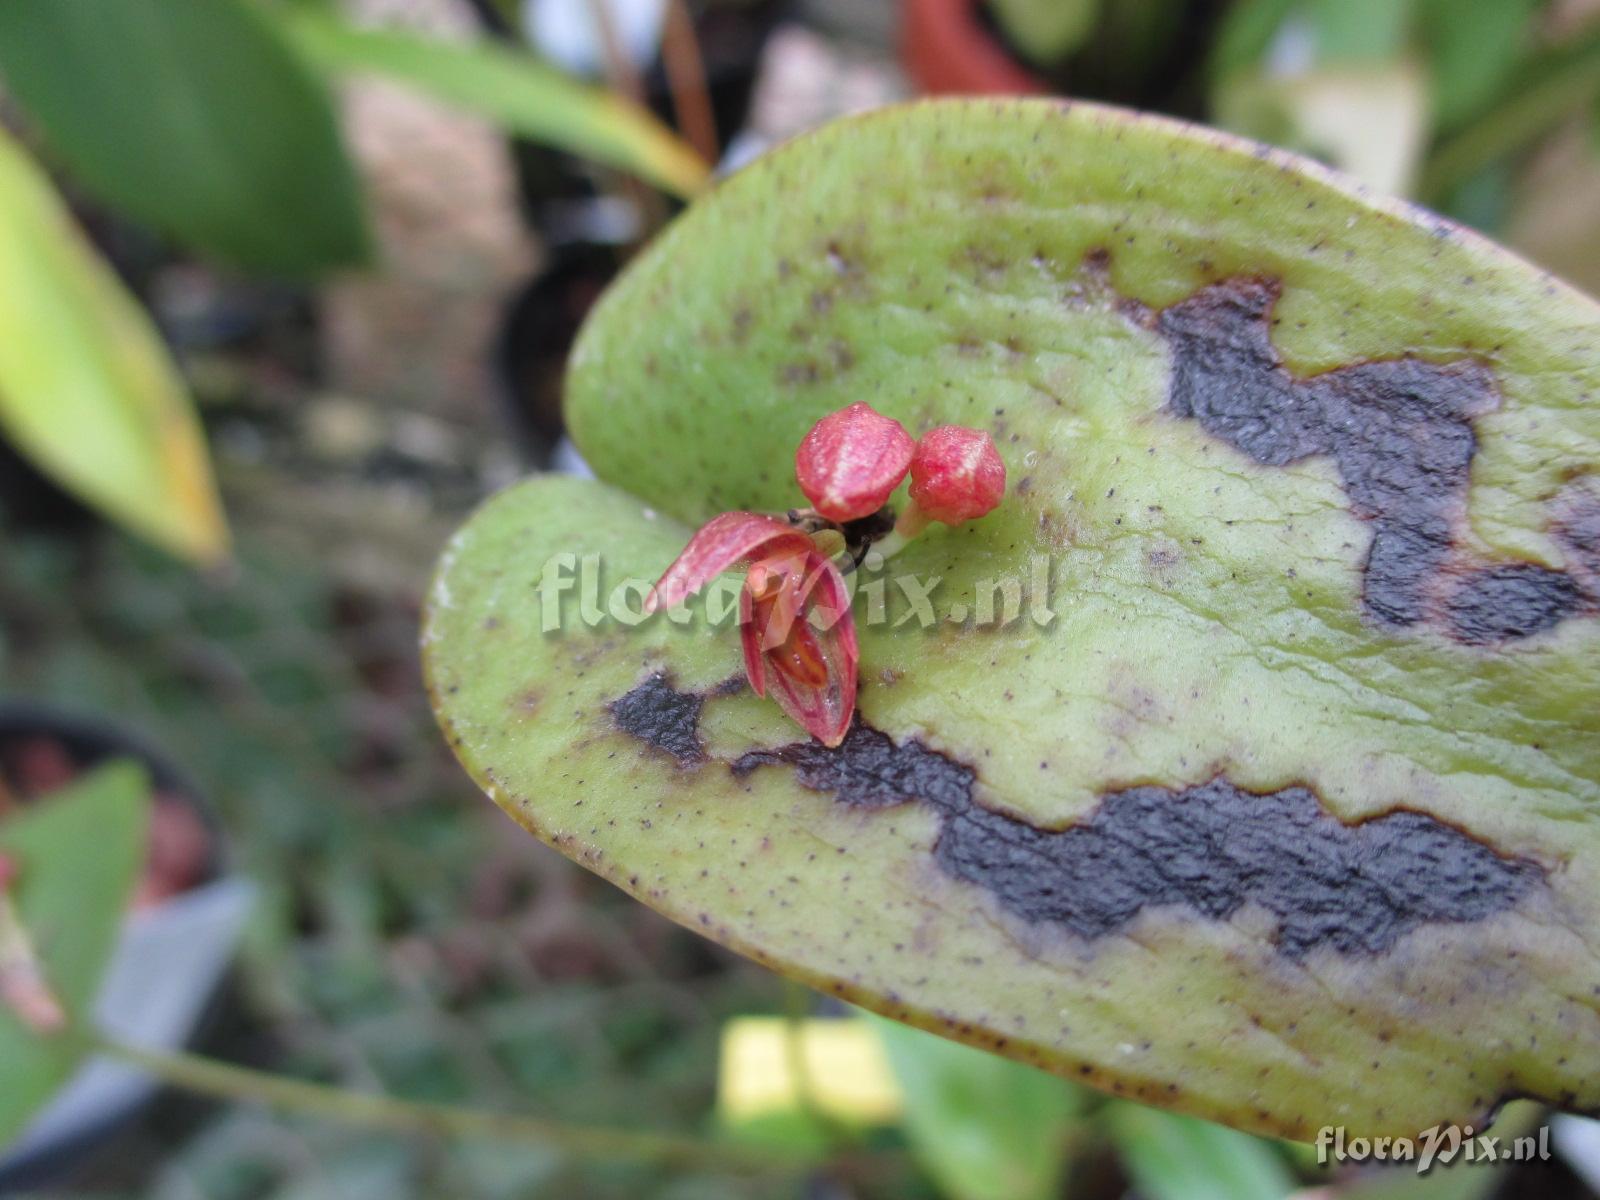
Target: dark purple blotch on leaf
[1209,849]
[1401,433]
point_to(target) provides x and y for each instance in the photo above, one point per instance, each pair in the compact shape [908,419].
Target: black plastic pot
[172,959]
[92,741]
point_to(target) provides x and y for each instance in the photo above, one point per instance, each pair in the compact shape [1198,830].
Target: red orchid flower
[794,612]
[792,588]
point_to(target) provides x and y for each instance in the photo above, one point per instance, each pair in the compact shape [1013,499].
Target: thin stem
[912,522]
[227,1081]
[686,77]
[623,78]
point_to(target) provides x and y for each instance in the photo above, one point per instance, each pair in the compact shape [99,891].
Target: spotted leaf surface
[1243,761]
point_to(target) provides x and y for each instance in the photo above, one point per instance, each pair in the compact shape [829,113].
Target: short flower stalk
[795,624]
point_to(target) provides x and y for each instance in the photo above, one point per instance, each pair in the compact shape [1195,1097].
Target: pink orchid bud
[850,462]
[956,474]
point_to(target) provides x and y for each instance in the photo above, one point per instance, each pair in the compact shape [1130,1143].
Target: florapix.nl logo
[581,591]
[1438,1145]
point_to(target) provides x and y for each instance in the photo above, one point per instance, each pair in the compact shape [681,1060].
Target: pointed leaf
[77,853]
[985,1128]
[514,89]
[87,389]
[195,119]
[1170,1157]
[1275,800]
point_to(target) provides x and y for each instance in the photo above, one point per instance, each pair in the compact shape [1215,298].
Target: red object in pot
[949,51]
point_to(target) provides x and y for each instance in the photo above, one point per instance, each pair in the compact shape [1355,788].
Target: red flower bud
[850,462]
[956,474]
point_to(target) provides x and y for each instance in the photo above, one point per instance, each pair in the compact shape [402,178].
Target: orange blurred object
[948,50]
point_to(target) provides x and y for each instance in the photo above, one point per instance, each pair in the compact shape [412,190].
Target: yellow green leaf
[87,390]
[513,89]
[76,854]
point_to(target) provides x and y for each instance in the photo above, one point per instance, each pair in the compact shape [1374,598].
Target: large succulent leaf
[1288,816]
[77,853]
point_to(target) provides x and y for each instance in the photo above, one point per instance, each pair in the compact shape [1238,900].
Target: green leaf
[87,389]
[1371,121]
[1473,46]
[1170,1157]
[1047,30]
[983,1127]
[195,119]
[1244,32]
[1360,31]
[514,90]
[77,853]
[1249,812]
[1552,87]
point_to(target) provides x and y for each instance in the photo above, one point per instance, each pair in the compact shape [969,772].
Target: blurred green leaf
[1360,31]
[1473,46]
[77,853]
[1457,1178]
[1545,91]
[985,1128]
[1484,201]
[86,388]
[1047,30]
[1368,120]
[512,89]
[1170,1157]
[194,119]
[1245,32]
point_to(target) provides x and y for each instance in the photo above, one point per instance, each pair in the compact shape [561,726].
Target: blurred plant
[70,864]
[1438,99]
[87,390]
[74,860]
[211,123]
[984,1127]
[516,92]
[1046,30]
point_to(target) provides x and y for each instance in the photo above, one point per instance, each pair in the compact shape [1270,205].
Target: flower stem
[912,522]
[210,1077]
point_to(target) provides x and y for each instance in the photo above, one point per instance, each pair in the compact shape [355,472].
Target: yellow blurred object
[844,1073]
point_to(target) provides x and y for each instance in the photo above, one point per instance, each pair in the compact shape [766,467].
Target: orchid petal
[824,710]
[750,639]
[721,542]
